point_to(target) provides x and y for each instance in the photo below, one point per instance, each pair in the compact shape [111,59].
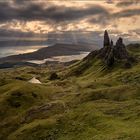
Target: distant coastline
[15,50]
[54,53]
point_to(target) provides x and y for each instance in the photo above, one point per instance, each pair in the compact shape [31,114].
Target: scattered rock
[14,100]
[127,65]
[20,78]
[45,110]
[53,76]
[34,95]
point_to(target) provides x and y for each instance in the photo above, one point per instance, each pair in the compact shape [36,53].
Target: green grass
[88,102]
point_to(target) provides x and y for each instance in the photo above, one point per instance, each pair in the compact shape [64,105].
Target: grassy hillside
[88,102]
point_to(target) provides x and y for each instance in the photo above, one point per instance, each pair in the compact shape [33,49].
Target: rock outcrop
[111,53]
[106,39]
[120,51]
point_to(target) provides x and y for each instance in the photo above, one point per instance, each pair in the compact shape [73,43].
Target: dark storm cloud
[21,1]
[127,13]
[109,1]
[34,11]
[29,11]
[136,31]
[105,18]
[102,20]
[127,3]
[13,33]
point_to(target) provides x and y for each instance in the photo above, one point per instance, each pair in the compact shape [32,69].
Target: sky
[40,17]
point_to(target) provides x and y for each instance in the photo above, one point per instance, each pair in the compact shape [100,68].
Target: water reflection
[67,58]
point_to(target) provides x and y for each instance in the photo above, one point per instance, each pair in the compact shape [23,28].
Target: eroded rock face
[120,51]
[107,53]
[110,58]
[111,43]
[111,53]
[106,39]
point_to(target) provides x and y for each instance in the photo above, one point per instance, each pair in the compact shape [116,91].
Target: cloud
[17,33]
[106,18]
[127,3]
[127,13]
[30,11]
[101,20]
[109,1]
[43,17]
[55,13]
[136,31]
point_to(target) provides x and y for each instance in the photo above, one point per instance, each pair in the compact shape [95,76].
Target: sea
[14,50]
[6,50]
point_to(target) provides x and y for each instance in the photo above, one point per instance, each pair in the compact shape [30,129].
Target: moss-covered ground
[89,102]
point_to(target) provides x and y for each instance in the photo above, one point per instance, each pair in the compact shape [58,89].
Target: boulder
[53,76]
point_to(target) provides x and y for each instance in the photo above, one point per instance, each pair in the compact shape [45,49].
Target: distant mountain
[16,64]
[47,52]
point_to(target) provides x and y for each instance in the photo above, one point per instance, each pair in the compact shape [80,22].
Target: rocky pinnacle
[106,39]
[111,53]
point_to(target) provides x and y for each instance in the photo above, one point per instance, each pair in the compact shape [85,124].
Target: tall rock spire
[113,53]
[120,51]
[111,43]
[106,39]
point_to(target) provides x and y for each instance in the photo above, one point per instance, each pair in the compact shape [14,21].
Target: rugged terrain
[97,98]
